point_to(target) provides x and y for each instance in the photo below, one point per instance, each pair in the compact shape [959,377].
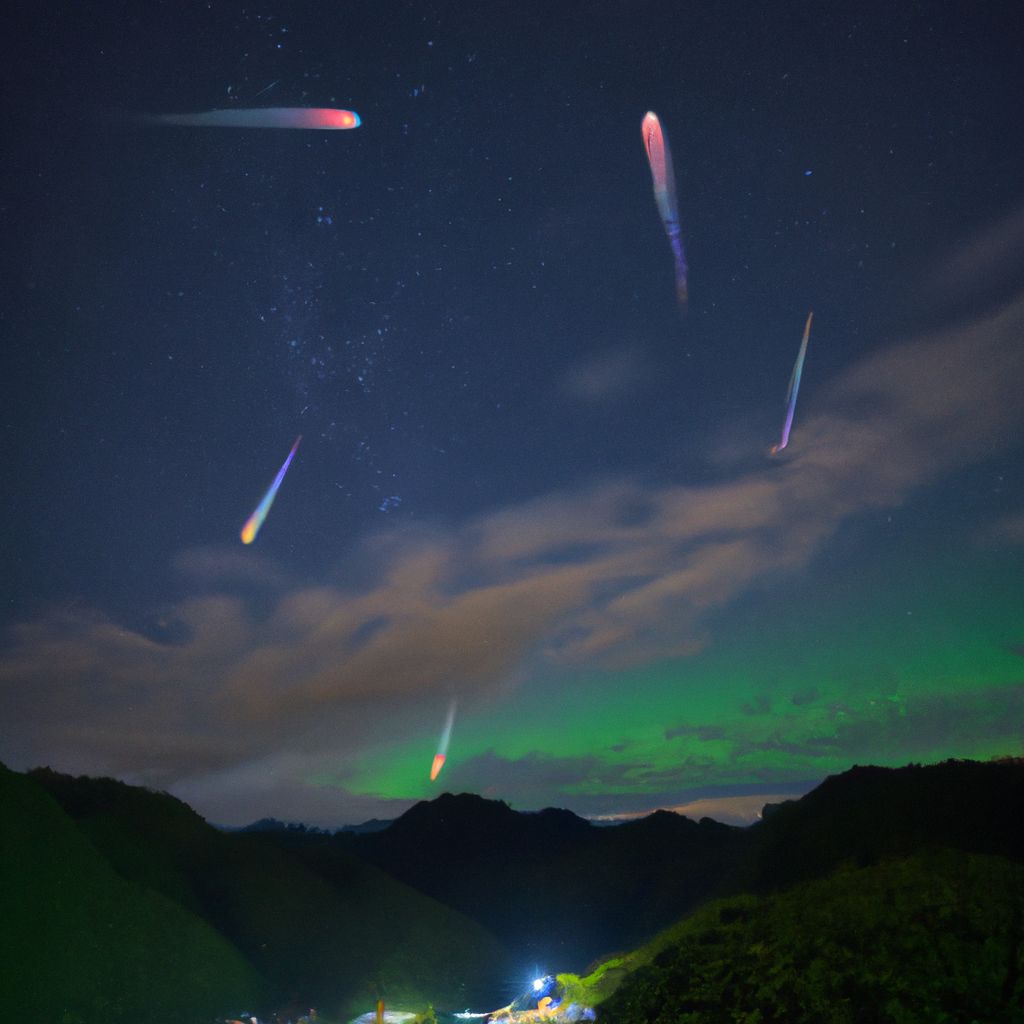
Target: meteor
[659,156]
[794,387]
[328,118]
[442,749]
[255,521]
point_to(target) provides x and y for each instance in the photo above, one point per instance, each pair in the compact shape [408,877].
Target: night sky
[527,483]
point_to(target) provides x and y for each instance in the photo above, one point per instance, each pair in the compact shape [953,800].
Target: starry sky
[528,486]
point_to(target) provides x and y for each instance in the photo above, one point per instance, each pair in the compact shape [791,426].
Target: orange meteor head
[435,768]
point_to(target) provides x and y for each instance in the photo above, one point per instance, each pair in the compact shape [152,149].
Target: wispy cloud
[984,263]
[1007,530]
[615,573]
[743,809]
[606,375]
[220,565]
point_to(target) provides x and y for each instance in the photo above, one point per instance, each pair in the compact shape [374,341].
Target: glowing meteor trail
[255,521]
[794,387]
[442,749]
[659,156]
[327,118]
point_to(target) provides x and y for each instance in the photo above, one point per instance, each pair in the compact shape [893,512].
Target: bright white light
[538,984]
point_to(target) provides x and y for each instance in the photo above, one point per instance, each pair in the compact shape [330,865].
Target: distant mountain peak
[264,825]
[453,813]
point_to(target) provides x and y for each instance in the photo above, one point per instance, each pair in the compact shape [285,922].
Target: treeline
[79,943]
[885,896]
[933,938]
[888,895]
[122,905]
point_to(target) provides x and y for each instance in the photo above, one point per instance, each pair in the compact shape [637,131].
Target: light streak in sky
[442,747]
[659,156]
[328,118]
[794,387]
[255,521]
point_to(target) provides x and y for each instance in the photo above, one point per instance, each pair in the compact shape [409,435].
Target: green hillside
[889,896]
[935,938]
[81,945]
[327,931]
[390,939]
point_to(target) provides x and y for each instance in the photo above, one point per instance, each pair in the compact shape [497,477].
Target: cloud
[619,791]
[1007,530]
[590,783]
[606,375]
[740,810]
[807,696]
[702,732]
[762,705]
[882,729]
[216,565]
[618,572]
[276,786]
[734,810]
[984,263]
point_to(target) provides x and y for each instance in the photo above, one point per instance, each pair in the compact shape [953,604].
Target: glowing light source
[326,118]
[442,748]
[660,159]
[794,388]
[255,521]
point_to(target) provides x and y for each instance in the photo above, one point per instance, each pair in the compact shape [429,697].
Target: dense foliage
[588,889]
[932,939]
[80,944]
[883,896]
[311,930]
[869,813]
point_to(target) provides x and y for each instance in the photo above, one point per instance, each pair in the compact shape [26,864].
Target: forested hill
[113,893]
[870,813]
[557,887]
[297,936]
[81,943]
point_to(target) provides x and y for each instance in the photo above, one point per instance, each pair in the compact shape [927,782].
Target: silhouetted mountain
[867,814]
[558,888]
[334,939]
[590,890]
[371,825]
[935,936]
[411,911]
[263,825]
[81,943]
[273,825]
[888,895]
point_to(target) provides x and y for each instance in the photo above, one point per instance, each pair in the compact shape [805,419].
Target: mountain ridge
[443,903]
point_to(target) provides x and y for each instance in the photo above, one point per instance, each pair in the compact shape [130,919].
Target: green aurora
[791,687]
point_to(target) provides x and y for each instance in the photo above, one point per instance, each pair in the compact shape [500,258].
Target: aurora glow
[526,480]
[759,706]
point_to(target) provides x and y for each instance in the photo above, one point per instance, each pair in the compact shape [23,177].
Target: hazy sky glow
[525,483]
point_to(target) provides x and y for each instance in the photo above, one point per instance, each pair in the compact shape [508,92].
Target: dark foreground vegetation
[122,905]
[884,895]
[931,938]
